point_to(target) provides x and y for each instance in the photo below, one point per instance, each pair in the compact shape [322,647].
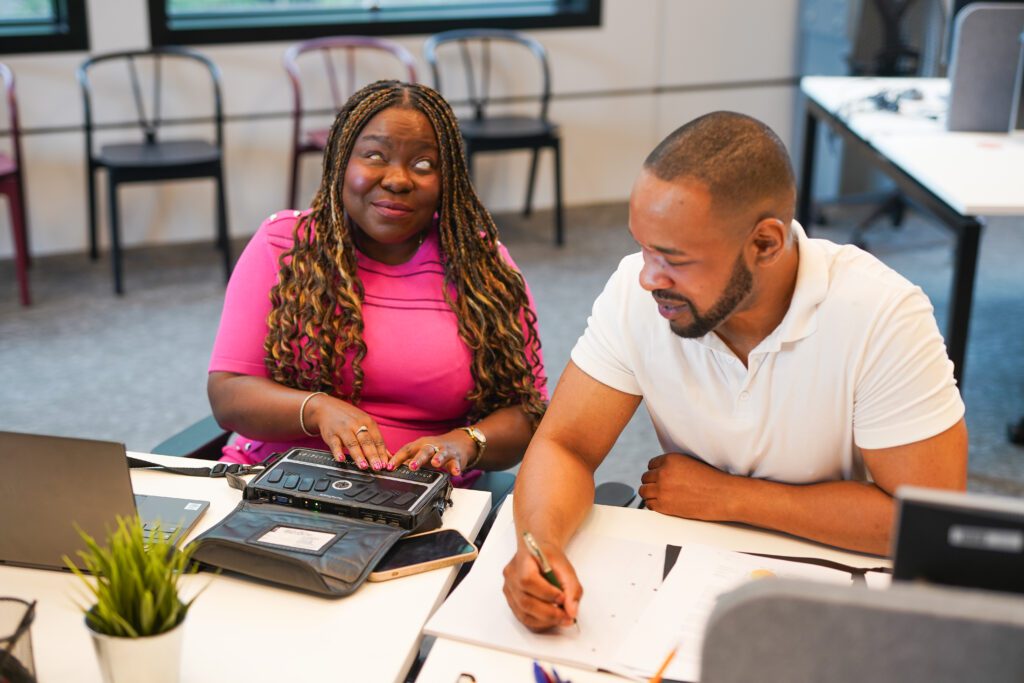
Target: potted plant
[136,620]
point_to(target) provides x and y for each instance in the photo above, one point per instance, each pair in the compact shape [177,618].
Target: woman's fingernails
[390,467]
[376,465]
[414,465]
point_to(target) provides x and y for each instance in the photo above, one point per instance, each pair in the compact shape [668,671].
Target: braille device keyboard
[312,479]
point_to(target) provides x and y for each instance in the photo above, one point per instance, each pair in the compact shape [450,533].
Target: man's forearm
[852,515]
[554,491]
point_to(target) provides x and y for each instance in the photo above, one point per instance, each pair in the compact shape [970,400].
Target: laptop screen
[50,484]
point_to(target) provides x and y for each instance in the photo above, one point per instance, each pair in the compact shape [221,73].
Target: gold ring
[362,429]
[436,449]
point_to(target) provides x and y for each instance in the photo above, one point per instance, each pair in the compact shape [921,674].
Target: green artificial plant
[134,581]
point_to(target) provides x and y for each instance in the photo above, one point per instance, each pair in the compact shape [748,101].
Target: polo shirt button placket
[744,405]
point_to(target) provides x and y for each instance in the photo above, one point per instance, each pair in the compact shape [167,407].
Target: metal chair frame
[482,133]
[327,47]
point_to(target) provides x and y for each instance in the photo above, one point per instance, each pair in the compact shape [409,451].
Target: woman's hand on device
[347,429]
[448,452]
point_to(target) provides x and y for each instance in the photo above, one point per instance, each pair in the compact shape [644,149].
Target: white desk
[449,658]
[242,630]
[956,176]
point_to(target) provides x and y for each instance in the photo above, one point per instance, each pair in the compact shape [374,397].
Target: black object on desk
[959,539]
[856,573]
[312,479]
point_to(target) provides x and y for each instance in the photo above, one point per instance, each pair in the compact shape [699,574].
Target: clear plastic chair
[485,131]
[311,67]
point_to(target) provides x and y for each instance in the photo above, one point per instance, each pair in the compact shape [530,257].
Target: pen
[545,568]
[540,674]
[656,678]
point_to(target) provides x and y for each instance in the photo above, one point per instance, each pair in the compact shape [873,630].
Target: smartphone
[423,552]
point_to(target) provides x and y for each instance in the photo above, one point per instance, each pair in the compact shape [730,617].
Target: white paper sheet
[878,580]
[619,577]
[685,600]
[629,619]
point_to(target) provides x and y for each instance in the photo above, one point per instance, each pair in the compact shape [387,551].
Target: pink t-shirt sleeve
[238,347]
[539,374]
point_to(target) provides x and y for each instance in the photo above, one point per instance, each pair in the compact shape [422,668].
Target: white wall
[619,88]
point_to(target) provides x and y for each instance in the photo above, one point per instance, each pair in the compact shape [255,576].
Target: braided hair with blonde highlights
[316,319]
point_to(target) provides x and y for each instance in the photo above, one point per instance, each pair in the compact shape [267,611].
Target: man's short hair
[740,159]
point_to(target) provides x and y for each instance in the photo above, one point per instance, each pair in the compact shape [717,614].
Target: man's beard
[741,282]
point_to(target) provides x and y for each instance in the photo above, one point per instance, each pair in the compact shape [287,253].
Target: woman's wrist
[307,420]
[479,445]
[467,449]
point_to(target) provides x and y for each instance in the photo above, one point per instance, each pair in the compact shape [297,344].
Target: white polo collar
[801,320]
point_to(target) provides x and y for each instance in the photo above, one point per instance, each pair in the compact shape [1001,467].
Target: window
[178,22]
[42,26]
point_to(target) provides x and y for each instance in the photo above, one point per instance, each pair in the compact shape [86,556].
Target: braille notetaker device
[313,480]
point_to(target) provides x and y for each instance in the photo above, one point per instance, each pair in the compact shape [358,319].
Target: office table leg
[803,207]
[968,235]
[967,229]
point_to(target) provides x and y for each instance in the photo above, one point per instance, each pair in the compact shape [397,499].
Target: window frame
[577,13]
[73,38]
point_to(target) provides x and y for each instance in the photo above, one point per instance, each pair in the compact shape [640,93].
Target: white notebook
[629,618]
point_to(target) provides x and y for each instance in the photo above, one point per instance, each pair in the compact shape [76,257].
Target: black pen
[545,567]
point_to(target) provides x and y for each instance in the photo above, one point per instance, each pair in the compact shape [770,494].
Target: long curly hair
[317,316]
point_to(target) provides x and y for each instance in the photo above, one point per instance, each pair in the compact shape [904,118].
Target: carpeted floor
[84,362]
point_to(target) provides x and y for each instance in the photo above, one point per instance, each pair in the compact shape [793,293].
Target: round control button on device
[341,485]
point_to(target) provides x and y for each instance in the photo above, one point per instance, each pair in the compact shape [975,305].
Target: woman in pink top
[386,323]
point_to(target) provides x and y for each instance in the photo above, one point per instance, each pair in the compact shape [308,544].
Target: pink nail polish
[413,465]
[390,467]
[376,465]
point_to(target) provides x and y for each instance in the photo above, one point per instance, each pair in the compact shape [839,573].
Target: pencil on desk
[656,678]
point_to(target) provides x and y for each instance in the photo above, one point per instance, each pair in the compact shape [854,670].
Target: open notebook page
[685,600]
[619,577]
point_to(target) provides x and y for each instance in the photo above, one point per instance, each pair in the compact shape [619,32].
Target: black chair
[150,158]
[485,132]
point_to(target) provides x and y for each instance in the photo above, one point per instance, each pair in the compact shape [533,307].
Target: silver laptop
[50,483]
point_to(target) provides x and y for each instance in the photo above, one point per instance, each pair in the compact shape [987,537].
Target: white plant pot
[153,659]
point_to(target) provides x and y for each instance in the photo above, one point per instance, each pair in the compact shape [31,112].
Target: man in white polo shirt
[793,383]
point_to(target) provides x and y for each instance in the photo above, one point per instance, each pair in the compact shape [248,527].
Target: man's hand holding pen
[541,602]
